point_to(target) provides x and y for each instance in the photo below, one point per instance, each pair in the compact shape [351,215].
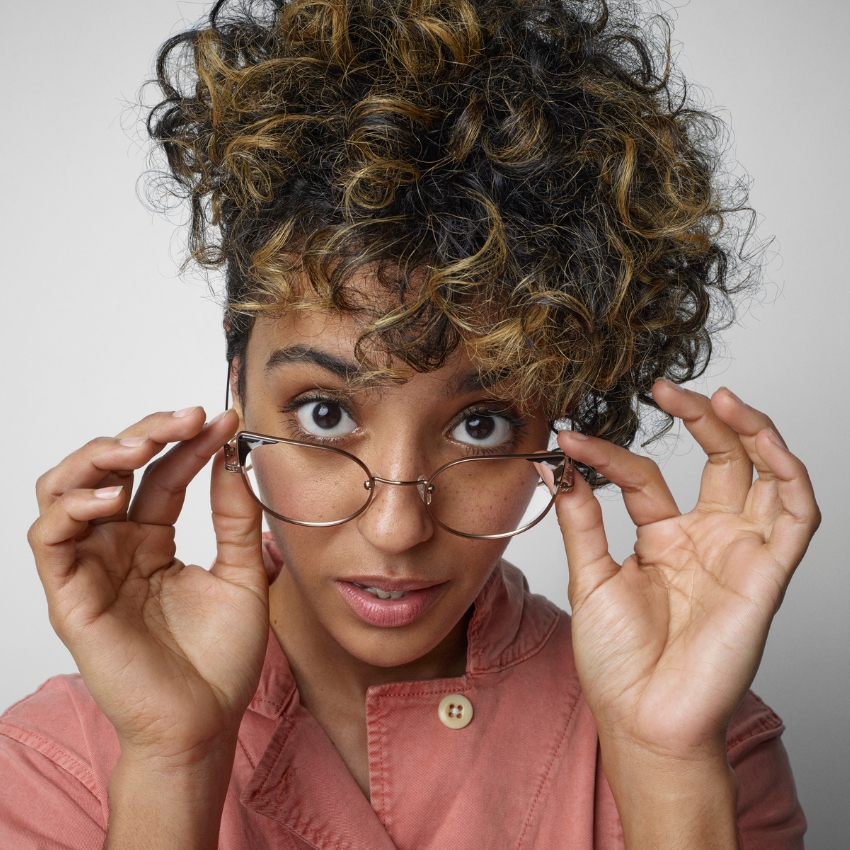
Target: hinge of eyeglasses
[231,458]
[567,479]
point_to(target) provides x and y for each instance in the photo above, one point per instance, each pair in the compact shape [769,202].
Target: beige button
[455,711]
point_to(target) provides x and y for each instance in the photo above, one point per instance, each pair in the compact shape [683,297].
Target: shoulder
[62,722]
[59,718]
[57,750]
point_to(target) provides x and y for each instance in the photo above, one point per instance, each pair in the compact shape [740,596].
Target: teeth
[386,594]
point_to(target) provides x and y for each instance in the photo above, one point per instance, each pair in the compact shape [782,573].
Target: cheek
[305,551]
[307,483]
[484,496]
[475,558]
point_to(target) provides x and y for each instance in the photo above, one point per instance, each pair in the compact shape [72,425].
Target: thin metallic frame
[235,457]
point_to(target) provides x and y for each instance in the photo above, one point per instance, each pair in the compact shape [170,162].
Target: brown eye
[327,415]
[324,418]
[479,429]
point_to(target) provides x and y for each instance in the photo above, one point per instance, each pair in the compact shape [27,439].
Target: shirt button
[455,711]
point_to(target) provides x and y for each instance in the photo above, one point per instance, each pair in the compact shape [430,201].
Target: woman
[445,229]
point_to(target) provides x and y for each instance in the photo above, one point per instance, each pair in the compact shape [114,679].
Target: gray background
[99,329]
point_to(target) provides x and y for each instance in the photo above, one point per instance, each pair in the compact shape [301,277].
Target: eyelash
[518,425]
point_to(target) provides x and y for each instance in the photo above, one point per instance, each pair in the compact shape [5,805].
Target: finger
[799,516]
[746,421]
[91,465]
[645,492]
[117,478]
[168,426]
[53,536]
[237,521]
[162,491]
[580,520]
[728,473]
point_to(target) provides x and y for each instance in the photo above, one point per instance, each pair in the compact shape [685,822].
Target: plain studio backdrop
[99,329]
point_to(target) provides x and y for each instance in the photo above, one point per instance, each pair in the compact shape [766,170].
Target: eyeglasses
[320,486]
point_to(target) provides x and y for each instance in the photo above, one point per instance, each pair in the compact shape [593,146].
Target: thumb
[237,521]
[580,519]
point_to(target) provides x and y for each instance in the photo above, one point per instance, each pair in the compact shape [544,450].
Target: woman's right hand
[171,653]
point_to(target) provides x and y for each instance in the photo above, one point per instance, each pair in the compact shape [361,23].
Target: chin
[391,647]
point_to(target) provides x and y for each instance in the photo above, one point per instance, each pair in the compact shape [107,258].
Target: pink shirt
[524,773]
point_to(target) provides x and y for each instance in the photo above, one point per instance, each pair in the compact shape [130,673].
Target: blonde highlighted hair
[527,177]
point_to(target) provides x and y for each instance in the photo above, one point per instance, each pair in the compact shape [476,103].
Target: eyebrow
[465,384]
[344,369]
[347,370]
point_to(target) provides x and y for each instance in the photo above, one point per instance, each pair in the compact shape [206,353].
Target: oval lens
[488,496]
[303,483]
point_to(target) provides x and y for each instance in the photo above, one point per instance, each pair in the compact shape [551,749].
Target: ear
[233,389]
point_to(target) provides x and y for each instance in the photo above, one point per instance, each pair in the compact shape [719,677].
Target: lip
[392,585]
[389,613]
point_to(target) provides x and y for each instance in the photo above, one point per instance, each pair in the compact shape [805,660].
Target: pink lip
[389,613]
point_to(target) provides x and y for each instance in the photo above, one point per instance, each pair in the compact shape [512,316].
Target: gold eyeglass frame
[236,454]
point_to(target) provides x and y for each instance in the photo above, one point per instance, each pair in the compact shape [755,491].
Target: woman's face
[296,387]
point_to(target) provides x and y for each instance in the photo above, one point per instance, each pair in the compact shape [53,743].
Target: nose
[396,520]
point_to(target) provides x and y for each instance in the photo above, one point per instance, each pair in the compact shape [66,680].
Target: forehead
[336,332]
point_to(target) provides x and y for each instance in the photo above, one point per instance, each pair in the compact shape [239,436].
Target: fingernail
[108,492]
[672,385]
[732,394]
[133,441]
[179,414]
[219,417]
[576,435]
[777,439]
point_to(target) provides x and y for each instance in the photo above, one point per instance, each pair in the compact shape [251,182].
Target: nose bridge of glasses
[399,483]
[424,488]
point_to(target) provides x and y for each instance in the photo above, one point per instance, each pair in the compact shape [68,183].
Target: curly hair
[526,177]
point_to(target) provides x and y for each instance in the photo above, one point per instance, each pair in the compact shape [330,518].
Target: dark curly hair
[527,177]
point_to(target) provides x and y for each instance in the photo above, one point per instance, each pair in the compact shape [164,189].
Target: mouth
[389,603]
[382,594]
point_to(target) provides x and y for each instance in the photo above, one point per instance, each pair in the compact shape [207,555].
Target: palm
[667,644]
[189,642]
[675,607]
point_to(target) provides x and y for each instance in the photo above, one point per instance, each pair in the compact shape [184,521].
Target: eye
[324,418]
[480,429]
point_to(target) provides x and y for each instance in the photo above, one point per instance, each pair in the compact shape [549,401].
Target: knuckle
[152,478]
[42,485]
[646,471]
[150,470]
[646,465]
[34,534]
[153,419]
[99,443]
[57,623]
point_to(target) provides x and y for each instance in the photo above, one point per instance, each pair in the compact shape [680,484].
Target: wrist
[172,804]
[667,802]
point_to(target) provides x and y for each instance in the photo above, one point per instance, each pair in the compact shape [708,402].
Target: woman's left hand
[668,643]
